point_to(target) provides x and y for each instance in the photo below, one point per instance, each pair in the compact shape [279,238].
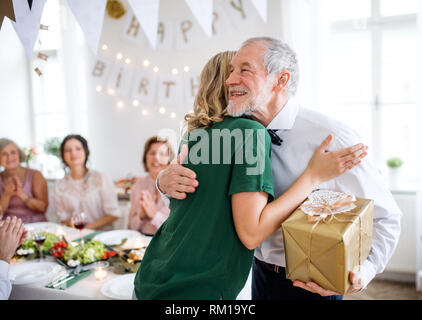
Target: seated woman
[84,190]
[23,191]
[148,211]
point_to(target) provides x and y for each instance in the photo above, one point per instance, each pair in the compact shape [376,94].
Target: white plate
[34,271]
[50,227]
[120,287]
[134,238]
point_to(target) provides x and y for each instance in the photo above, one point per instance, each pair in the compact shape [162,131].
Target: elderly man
[261,85]
[12,233]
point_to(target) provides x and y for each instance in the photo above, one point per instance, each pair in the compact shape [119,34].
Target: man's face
[249,85]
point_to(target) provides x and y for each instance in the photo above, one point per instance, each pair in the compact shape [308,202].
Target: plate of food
[134,239]
[128,261]
[29,249]
[81,253]
[33,271]
[120,287]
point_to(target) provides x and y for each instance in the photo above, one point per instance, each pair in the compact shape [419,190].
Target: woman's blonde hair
[212,97]
[5,142]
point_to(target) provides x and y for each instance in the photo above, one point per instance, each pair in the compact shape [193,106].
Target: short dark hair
[148,145]
[81,139]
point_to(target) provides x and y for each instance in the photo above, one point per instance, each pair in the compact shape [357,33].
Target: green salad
[30,246]
[91,251]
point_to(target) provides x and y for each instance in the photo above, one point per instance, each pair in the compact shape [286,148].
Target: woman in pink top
[23,191]
[148,211]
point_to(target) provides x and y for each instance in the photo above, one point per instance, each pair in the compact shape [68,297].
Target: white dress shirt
[94,194]
[5,286]
[302,131]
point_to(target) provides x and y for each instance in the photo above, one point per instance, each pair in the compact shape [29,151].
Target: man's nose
[232,79]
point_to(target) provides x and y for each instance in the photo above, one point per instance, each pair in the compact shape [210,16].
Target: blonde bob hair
[5,142]
[212,97]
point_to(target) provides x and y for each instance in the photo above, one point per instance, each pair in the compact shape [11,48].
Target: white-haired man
[262,84]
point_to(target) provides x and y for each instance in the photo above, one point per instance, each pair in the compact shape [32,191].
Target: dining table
[85,289]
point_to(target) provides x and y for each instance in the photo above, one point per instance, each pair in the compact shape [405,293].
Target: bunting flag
[146,12]
[6,10]
[30,4]
[90,17]
[203,12]
[261,7]
[27,23]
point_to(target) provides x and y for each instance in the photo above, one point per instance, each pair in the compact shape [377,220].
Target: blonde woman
[201,251]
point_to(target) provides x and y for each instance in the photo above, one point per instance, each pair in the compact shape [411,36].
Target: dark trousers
[269,283]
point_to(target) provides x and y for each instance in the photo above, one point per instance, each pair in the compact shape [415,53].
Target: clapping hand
[12,234]
[147,202]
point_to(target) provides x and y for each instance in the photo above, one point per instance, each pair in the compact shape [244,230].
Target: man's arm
[5,286]
[364,181]
[175,180]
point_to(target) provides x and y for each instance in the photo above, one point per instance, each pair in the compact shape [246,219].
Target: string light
[155,69]
[172,115]
[135,103]
[174,71]
[145,112]
[119,56]
[99,88]
[186,68]
[127,60]
[104,47]
[146,63]
[110,92]
[120,104]
[162,110]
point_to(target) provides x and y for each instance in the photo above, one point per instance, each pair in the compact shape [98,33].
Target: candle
[100,273]
[60,232]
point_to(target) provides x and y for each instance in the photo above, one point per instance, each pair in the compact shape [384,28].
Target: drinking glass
[79,221]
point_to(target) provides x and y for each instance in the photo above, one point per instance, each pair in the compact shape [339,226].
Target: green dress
[196,253]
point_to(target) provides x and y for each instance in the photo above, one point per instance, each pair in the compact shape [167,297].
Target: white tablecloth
[87,288]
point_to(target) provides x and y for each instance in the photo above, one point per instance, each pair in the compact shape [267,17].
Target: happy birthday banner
[149,85]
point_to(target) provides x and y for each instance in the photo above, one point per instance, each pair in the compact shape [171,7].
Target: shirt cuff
[164,196]
[367,272]
[4,269]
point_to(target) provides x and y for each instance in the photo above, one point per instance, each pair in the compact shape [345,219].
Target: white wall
[15,105]
[116,137]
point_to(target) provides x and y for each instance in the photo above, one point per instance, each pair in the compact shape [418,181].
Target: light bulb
[174,71]
[155,69]
[119,56]
[146,63]
[99,88]
[186,68]
[135,103]
[162,110]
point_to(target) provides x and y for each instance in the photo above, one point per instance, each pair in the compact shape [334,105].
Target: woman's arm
[40,191]
[9,191]
[255,220]
[106,220]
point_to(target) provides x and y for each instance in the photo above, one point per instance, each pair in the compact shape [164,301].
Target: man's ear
[282,81]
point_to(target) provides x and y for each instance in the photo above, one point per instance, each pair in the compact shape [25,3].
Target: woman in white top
[84,190]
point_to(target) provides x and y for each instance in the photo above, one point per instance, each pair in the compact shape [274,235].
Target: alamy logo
[228,146]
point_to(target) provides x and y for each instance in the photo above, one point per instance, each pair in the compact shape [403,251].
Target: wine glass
[79,221]
[39,238]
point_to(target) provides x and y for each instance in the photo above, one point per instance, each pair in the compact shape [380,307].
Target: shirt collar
[285,119]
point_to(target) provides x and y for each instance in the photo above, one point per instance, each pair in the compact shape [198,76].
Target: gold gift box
[325,253]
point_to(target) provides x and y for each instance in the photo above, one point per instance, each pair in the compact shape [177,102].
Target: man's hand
[176,180]
[12,233]
[354,277]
